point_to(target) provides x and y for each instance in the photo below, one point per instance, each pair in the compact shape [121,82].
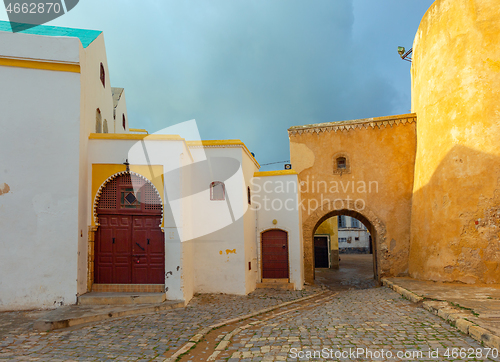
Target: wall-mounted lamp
[405,55]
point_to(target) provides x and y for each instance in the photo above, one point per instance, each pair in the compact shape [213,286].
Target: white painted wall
[277,199]
[93,96]
[39,154]
[250,225]
[219,261]
[351,232]
[351,235]
[219,248]
[120,111]
[187,275]
[38,47]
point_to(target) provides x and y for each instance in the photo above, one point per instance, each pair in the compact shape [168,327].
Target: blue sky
[250,69]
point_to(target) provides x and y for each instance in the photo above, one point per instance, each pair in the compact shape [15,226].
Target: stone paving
[145,337]
[15,323]
[374,319]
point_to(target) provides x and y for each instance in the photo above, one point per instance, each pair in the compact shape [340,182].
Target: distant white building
[354,238]
[89,204]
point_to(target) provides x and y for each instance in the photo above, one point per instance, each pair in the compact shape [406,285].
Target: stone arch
[347,207]
[111,178]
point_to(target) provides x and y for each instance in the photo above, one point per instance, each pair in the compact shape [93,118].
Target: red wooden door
[275,254]
[129,245]
[113,249]
[148,266]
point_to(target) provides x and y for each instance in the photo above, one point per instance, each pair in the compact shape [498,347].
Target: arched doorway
[129,243]
[275,254]
[327,210]
[343,257]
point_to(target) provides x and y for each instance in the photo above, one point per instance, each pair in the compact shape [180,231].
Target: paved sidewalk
[474,309]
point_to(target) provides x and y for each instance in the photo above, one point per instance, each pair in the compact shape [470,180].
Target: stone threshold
[126,288]
[280,284]
[109,298]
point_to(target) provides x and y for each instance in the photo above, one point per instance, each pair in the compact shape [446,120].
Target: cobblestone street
[143,337]
[374,319]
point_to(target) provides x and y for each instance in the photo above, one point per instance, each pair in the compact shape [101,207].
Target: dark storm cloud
[250,69]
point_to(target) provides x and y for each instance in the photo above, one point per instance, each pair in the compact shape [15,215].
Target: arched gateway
[129,243]
[361,168]
[329,209]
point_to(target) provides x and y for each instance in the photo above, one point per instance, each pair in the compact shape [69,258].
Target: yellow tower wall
[455,225]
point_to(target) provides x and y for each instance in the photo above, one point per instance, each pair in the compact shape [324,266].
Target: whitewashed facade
[65,137]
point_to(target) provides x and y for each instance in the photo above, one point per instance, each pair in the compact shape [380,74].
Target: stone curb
[197,337]
[453,316]
[405,293]
[44,325]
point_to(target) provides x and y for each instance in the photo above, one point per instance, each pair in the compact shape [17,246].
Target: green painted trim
[86,36]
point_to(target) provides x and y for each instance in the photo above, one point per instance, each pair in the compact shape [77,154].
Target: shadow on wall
[455,227]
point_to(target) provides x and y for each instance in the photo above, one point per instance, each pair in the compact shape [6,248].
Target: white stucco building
[89,204]
[353,236]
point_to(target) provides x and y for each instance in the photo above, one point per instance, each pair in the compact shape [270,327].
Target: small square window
[217,191]
[342,221]
[341,163]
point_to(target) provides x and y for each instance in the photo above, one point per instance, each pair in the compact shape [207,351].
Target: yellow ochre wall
[381,153]
[455,92]
[331,227]
[101,172]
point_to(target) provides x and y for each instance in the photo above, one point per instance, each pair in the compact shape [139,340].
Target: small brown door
[275,254]
[321,252]
[129,245]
